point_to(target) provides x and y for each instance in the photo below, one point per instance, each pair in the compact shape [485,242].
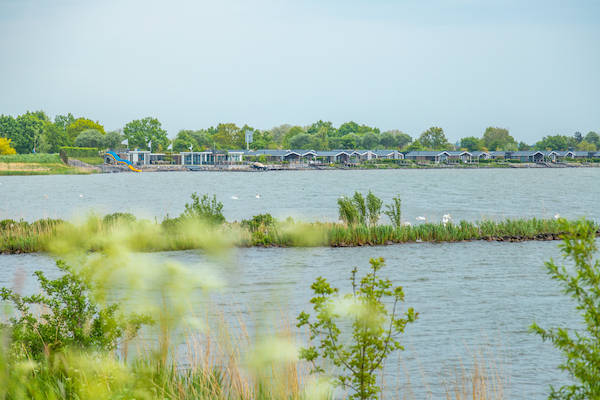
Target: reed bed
[23,237]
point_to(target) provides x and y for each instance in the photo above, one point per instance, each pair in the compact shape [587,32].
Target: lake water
[465,194]
[469,295]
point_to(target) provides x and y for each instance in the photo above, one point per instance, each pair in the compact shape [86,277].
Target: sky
[530,66]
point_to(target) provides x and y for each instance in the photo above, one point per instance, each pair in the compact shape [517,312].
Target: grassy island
[182,234]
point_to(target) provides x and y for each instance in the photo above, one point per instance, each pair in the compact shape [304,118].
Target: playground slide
[119,160]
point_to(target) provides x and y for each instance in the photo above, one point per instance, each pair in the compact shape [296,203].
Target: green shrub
[68,318]
[581,349]
[258,221]
[206,209]
[373,327]
[75,152]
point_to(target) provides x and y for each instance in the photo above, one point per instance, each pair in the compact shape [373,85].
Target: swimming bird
[446,218]
[420,218]
[257,196]
[80,195]
[557,216]
[234,198]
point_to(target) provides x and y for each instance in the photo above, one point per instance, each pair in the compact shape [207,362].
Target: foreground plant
[357,331]
[580,348]
[69,318]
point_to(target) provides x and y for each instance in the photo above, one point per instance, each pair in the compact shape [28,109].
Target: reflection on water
[468,295]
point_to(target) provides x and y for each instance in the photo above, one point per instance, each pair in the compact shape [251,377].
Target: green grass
[31,158]
[36,164]
[182,234]
[91,160]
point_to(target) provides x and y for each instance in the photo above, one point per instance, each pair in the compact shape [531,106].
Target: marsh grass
[193,233]
[484,379]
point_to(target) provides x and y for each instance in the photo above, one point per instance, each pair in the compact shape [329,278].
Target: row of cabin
[143,157]
[534,156]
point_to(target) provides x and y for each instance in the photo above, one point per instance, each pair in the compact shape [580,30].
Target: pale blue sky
[530,66]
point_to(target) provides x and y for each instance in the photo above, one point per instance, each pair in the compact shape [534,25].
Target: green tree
[497,139]
[434,138]
[556,142]
[112,140]
[586,146]
[293,131]
[29,129]
[279,132]
[593,137]
[370,141]
[301,141]
[53,138]
[581,349]
[229,136]
[262,140]
[524,146]
[81,124]
[357,350]
[322,139]
[140,132]
[415,146]
[90,138]
[63,121]
[394,139]
[350,141]
[471,143]
[315,128]
[8,126]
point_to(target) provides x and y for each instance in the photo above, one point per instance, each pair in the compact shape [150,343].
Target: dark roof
[425,153]
[526,153]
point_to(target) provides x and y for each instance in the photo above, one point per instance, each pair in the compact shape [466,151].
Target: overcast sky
[530,66]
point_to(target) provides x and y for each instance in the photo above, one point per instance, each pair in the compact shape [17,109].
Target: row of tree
[36,132]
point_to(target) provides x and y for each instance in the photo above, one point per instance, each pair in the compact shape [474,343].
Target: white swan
[446,218]
[419,218]
[557,216]
[234,198]
[257,196]
[80,195]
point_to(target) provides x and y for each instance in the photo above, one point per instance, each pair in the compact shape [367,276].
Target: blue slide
[119,160]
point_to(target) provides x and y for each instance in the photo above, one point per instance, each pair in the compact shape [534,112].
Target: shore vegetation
[360,225]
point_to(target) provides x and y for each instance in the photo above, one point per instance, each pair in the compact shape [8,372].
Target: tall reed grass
[182,233]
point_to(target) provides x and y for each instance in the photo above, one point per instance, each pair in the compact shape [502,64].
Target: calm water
[469,295]
[465,194]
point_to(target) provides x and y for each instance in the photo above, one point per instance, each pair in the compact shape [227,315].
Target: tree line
[36,132]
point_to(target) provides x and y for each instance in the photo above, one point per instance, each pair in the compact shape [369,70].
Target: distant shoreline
[76,167]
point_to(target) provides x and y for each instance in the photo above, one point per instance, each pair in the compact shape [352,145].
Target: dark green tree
[90,138]
[470,143]
[140,132]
